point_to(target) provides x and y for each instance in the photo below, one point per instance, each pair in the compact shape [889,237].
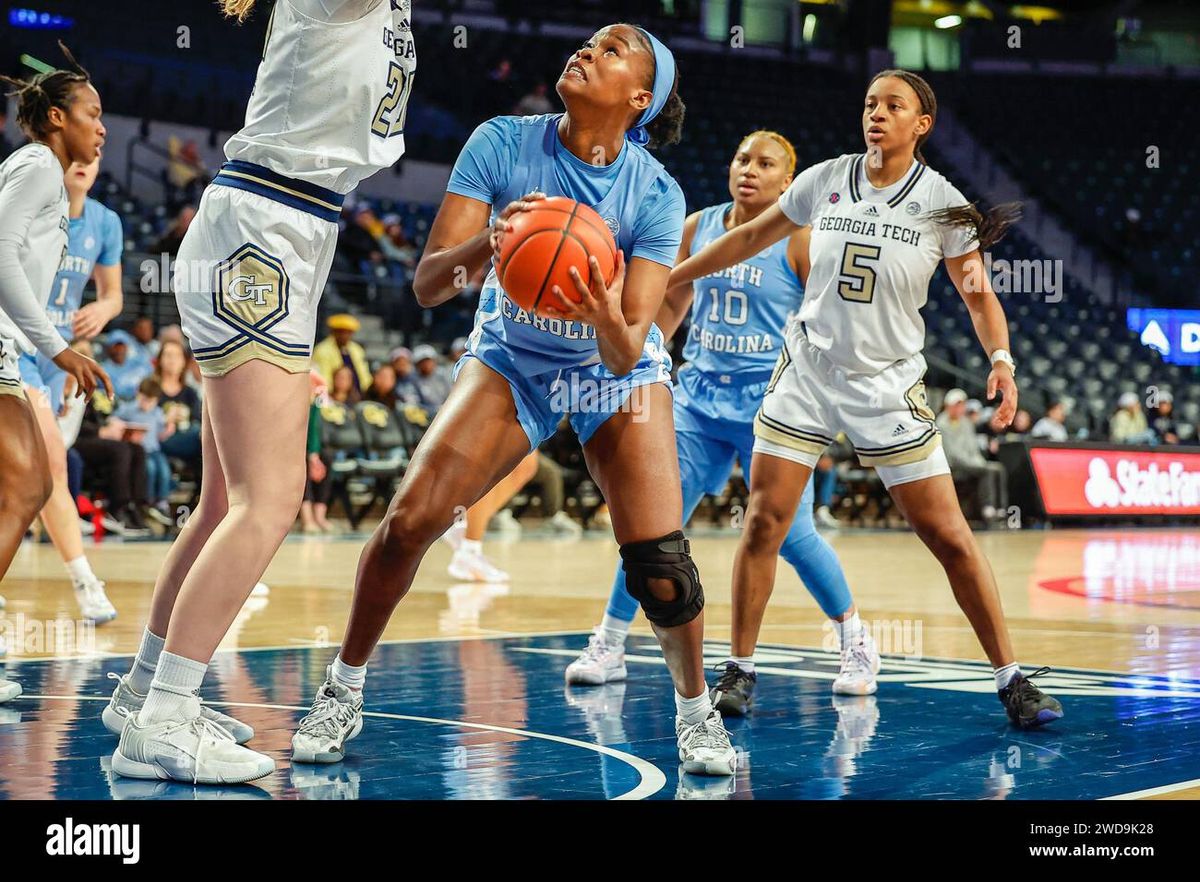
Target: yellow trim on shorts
[903,457]
[793,439]
[218,367]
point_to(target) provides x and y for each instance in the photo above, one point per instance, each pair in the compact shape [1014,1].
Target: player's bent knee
[765,529]
[660,575]
[410,528]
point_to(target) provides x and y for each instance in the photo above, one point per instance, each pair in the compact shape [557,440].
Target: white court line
[651,778]
[496,635]
[1156,791]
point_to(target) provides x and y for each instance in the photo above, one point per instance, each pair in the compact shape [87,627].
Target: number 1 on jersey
[399,86]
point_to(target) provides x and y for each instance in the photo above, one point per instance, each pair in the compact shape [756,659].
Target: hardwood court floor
[1122,602]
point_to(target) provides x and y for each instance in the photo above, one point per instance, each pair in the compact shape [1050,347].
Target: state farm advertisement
[1117,482]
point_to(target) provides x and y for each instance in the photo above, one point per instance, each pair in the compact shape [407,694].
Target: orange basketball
[544,243]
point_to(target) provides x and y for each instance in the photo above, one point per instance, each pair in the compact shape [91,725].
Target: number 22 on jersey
[399,87]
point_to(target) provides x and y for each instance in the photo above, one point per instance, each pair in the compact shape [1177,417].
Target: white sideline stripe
[651,777]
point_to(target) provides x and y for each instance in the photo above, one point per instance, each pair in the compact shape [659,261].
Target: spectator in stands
[501,89]
[358,240]
[383,386]
[339,349]
[318,486]
[1052,426]
[960,440]
[395,244]
[343,389]
[172,237]
[1162,419]
[1128,424]
[174,334]
[458,349]
[550,479]
[145,346]
[433,383]
[535,102]
[406,378]
[185,173]
[123,366]
[147,424]
[179,402]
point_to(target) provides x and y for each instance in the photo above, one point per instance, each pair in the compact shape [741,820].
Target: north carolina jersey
[93,239]
[738,314]
[33,230]
[330,97]
[642,205]
[873,252]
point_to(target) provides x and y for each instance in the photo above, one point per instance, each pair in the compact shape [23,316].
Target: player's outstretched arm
[969,276]
[679,297]
[740,243]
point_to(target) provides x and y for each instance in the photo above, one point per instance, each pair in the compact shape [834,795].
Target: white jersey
[873,253]
[33,240]
[331,92]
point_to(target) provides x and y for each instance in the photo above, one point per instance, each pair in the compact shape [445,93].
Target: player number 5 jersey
[330,97]
[873,252]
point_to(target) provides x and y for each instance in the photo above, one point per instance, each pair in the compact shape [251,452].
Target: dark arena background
[1086,505]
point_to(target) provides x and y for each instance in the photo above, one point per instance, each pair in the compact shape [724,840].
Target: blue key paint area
[491,719]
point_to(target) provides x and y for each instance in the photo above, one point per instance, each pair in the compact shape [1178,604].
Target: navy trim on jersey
[907,188]
[317,201]
[856,193]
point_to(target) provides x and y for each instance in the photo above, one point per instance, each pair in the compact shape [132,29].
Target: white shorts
[252,268]
[10,372]
[810,400]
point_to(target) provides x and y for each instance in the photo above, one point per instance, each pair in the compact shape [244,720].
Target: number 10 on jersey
[399,83]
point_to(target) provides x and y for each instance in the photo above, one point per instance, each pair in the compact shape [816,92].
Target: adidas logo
[899,430]
[872,211]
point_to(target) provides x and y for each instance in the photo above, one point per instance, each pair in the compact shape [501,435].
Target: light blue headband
[664,81]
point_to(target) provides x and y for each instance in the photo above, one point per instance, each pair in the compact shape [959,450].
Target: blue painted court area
[491,719]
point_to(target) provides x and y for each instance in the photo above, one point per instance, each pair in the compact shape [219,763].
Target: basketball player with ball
[581,226]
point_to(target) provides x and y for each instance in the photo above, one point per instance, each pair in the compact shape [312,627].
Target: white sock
[614,631]
[746,663]
[1005,675]
[471,546]
[850,631]
[693,710]
[176,680]
[350,676]
[145,663]
[80,570]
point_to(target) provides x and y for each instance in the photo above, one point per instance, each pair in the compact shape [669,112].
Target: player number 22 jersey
[873,253]
[330,97]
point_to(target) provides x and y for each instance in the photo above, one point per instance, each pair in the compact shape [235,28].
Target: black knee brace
[669,558]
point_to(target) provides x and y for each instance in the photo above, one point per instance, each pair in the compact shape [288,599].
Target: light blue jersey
[738,314]
[93,239]
[509,156]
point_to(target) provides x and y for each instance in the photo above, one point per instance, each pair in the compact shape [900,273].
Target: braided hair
[35,97]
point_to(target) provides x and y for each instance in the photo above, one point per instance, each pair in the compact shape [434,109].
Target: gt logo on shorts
[242,288]
[250,295]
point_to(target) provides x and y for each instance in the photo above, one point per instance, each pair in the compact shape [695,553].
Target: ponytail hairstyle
[35,97]
[779,139]
[990,227]
[239,9]
[666,128]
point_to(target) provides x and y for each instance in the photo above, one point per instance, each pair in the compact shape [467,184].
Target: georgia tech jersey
[873,252]
[330,96]
[35,172]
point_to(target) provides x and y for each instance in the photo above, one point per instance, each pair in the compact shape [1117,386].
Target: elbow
[422,287]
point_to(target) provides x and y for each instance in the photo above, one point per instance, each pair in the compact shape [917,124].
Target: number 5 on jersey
[857,282]
[399,86]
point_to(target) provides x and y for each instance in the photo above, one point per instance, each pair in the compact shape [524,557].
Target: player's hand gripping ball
[541,241]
